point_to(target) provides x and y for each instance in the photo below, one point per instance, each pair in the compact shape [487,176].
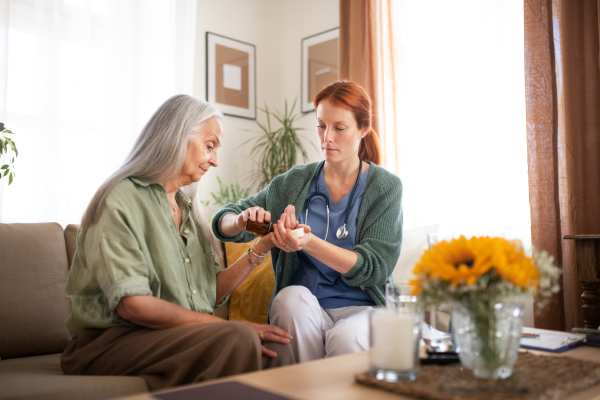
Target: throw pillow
[250,300]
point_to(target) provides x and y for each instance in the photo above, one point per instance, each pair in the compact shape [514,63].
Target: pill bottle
[259,228]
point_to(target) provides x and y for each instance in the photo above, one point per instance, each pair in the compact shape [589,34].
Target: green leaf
[229,194]
[5,166]
[10,179]
[1,126]
[276,149]
[6,172]
[12,144]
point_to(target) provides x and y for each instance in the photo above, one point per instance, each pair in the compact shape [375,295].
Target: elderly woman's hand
[255,214]
[270,333]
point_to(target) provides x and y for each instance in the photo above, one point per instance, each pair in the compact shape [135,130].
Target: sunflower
[512,265]
[457,261]
[462,261]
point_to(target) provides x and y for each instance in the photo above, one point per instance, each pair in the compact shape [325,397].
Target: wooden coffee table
[333,378]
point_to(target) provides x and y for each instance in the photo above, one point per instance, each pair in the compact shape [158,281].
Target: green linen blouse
[134,248]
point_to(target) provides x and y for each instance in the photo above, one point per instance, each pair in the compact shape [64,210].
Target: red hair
[353,97]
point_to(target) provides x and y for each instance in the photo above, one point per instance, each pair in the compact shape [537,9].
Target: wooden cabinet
[588,258]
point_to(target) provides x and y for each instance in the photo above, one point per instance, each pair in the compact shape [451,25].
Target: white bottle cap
[298,232]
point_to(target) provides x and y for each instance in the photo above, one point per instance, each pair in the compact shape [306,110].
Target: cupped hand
[270,333]
[282,235]
[287,240]
[254,214]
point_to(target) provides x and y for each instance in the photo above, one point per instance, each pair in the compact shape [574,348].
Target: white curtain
[454,126]
[83,77]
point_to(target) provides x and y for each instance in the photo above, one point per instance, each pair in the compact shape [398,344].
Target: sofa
[34,263]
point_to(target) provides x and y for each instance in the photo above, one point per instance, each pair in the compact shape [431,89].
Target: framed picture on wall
[231,75]
[319,64]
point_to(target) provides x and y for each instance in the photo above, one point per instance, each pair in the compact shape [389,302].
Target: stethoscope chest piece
[342,232]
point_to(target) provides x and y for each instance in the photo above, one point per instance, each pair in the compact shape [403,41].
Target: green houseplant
[7,144]
[276,148]
[224,196]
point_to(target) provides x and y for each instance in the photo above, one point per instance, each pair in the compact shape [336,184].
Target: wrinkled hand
[270,333]
[282,235]
[257,214]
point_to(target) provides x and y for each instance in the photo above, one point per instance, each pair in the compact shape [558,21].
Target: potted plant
[224,196]
[7,144]
[277,148]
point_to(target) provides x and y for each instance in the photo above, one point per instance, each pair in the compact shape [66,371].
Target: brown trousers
[171,357]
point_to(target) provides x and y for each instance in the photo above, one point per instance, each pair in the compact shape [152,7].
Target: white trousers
[319,332]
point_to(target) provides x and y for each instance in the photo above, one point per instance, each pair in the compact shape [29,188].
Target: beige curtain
[367,57]
[563,108]
[358,44]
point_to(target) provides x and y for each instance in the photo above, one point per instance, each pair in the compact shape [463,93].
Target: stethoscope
[342,232]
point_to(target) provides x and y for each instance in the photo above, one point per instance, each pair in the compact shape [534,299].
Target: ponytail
[369,149]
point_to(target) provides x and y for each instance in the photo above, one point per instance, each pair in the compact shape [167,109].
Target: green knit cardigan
[378,233]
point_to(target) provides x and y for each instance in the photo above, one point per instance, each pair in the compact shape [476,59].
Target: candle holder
[399,296]
[395,334]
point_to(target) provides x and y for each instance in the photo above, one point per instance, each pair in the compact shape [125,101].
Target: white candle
[393,341]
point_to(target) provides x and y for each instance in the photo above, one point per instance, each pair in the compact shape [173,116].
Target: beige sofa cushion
[41,378]
[414,243]
[33,273]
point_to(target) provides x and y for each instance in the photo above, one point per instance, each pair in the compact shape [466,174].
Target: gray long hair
[158,156]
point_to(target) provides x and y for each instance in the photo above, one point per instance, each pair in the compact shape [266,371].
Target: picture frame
[231,75]
[320,65]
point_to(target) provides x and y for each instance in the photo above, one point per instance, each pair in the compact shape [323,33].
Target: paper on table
[550,340]
[430,333]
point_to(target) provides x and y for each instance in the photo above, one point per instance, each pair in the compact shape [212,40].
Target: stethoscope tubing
[326,206]
[325,200]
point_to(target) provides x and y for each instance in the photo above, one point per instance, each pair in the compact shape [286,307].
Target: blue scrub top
[325,283]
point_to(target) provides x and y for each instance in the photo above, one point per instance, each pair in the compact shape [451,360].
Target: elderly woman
[144,282]
[350,208]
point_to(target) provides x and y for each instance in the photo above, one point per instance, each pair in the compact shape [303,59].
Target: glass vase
[488,335]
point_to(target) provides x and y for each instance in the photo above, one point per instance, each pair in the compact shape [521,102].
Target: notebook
[553,341]
[220,391]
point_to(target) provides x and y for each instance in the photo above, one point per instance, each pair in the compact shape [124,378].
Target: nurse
[350,210]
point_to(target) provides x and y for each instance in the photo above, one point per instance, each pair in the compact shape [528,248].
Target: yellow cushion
[250,300]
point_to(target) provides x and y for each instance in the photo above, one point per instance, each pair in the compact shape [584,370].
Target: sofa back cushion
[33,306]
[414,243]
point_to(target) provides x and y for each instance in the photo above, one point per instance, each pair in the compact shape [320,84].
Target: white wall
[303,18]
[276,28]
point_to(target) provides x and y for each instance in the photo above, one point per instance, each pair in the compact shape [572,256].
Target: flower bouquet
[484,280]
